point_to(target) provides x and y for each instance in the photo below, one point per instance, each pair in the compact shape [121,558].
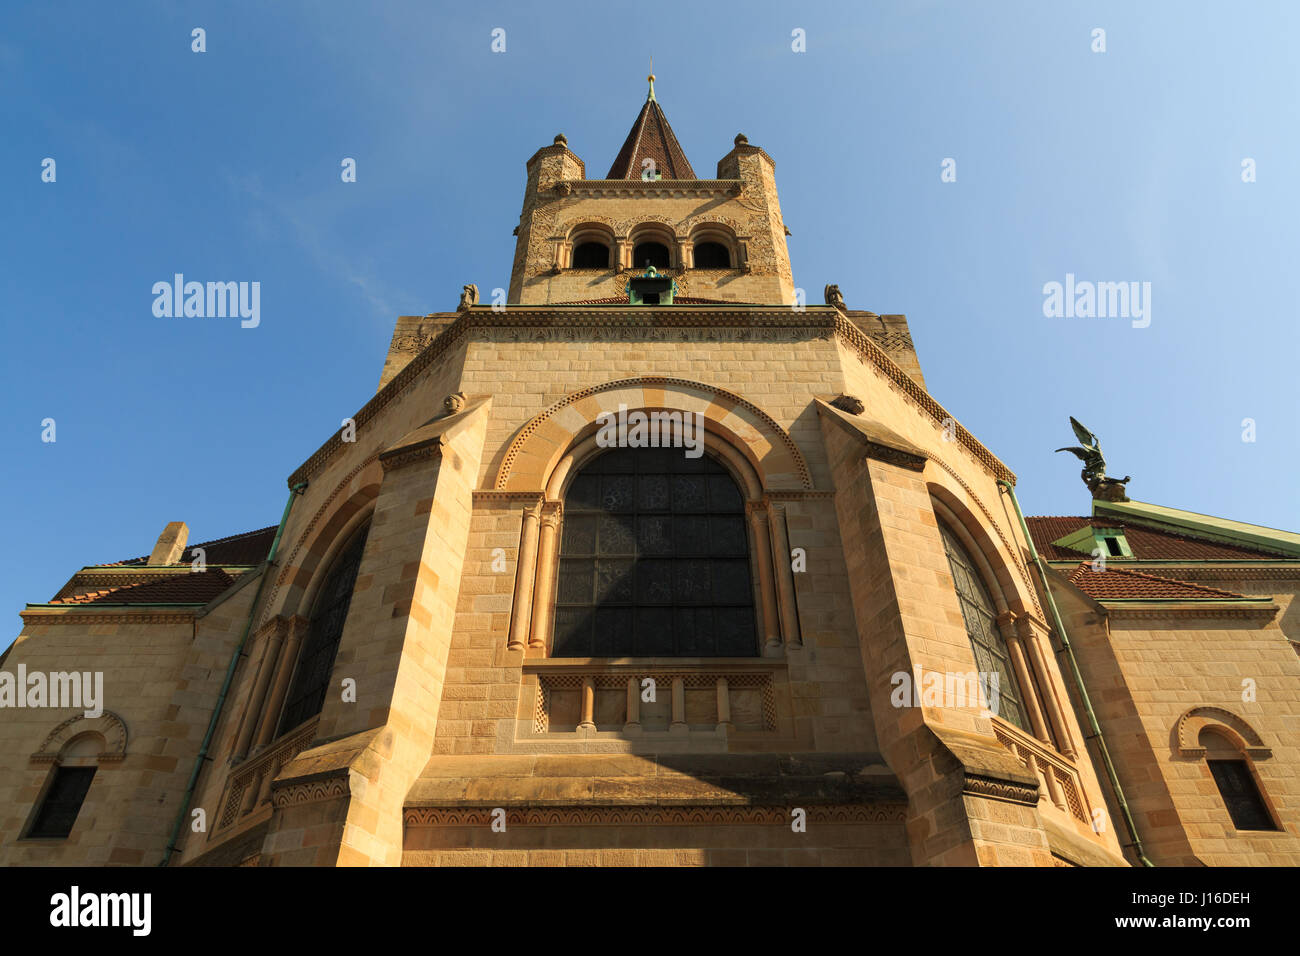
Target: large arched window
[330,611]
[654,560]
[977,611]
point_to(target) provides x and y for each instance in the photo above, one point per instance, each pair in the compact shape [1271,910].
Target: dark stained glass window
[654,560]
[62,802]
[986,641]
[316,660]
[1241,796]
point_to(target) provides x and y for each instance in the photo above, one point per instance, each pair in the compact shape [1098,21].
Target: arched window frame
[777,625]
[83,744]
[722,236]
[654,232]
[590,232]
[1236,740]
[1044,716]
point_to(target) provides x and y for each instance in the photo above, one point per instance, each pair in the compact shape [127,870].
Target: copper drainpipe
[294,492]
[1093,726]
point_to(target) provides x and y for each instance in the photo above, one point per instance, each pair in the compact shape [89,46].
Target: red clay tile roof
[196,588]
[651,138]
[1115,584]
[249,548]
[1147,543]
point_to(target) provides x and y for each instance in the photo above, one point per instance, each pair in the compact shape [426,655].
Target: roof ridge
[189,547]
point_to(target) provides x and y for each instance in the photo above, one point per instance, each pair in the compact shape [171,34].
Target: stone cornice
[491,495]
[1263,610]
[328,787]
[652,188]
[1011,791]
[423,451]
[88,614]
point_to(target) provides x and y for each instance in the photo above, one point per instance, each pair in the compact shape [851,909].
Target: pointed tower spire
[651,138]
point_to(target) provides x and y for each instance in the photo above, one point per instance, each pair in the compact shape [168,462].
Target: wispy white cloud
[309,225]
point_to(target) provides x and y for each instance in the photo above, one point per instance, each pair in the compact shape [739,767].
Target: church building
[648,561]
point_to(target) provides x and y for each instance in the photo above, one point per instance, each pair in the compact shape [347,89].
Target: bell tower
[582,241]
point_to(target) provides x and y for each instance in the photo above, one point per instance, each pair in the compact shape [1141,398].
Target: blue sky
[1115,166]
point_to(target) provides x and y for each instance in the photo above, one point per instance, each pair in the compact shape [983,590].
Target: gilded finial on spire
[651,78]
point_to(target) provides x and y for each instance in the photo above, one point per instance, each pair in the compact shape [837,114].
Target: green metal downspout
[1093,726]
[294,492]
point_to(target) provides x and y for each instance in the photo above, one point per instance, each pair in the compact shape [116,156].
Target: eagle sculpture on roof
[1094,466]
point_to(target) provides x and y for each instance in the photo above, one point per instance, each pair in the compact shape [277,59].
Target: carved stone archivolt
[1225,722]
[997,528]
[107,725]
[289,566]
[760,421]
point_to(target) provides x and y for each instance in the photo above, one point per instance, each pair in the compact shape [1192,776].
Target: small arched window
[980,618]
[650,253]
[654,560]
[591,255]
[316,661]
[67,788]
[712,255]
